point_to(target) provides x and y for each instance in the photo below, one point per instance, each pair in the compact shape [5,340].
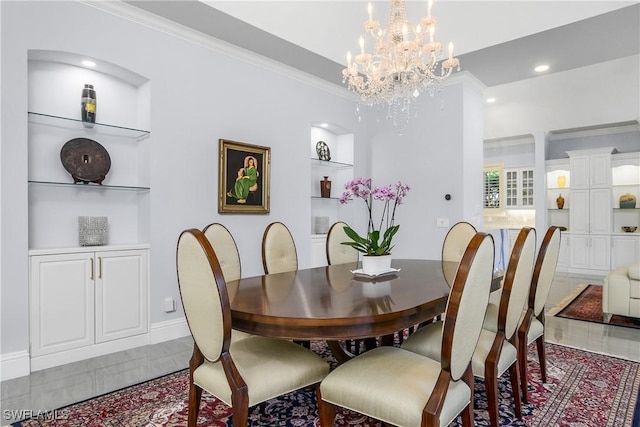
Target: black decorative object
[88,106]
[86,160]
[323,151]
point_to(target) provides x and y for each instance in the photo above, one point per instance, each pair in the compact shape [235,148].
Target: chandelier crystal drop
[405,61]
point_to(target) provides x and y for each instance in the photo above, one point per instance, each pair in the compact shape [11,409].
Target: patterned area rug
[584,390]
[585,303]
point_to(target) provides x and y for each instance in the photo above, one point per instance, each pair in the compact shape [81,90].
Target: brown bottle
[325,187]
[560,201]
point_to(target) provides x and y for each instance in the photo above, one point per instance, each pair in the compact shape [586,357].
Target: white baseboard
[68,356]
[14,365]
[169,330]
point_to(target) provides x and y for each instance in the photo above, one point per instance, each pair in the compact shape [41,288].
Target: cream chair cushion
[453,247]
[278,249]
[508,354]
[353,386]
[270,368]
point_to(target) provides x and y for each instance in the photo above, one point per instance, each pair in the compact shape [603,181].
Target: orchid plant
[390,197]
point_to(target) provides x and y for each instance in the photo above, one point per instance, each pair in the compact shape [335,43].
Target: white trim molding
[14,365]
[169,330]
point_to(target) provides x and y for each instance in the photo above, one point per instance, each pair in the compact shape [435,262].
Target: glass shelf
[324,198]
[330,164]
[626,209]
[90,186]
[76,124]
[558,210]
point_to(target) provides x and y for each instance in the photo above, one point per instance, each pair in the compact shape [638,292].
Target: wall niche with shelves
[55,82]
[338,169]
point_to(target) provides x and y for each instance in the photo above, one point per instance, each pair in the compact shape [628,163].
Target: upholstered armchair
[621,292]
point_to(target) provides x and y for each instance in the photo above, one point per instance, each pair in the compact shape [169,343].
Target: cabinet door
[579,213]
[526,188]
[511,191]
[563,256]
[625,250]
[318,251]
[61,302]
[121,294]
[579,251]
[600,210]
[599,252]
[579,166]
[600,170]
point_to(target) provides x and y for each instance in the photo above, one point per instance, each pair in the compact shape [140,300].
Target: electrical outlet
[442,222]
[169,305]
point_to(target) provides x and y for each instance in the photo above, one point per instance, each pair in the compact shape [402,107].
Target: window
[492,186]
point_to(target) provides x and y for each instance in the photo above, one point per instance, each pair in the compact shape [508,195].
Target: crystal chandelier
[403,64]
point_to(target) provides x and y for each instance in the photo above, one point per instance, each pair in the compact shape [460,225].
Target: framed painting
[244,178]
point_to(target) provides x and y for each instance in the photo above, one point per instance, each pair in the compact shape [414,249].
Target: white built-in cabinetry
[591,182]
[86,300]
[518,188]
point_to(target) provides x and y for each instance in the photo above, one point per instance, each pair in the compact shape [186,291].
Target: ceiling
[497,41]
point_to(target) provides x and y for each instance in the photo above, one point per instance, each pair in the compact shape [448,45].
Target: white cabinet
[590,168]
[318,250]
[590,211]
[589,252]
[518,188]
[625,250]
[81,298]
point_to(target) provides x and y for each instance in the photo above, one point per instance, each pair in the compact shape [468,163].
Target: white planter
[373,265]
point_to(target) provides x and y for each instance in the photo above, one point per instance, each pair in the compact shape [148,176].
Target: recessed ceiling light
[491,100]
[324,125]
[541,68]
[88,63]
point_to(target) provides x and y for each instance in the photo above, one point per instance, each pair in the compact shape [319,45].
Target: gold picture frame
[243,177]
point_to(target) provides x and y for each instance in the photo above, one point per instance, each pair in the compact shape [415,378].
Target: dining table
[338,302]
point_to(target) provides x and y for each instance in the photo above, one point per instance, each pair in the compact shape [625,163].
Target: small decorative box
[93,230]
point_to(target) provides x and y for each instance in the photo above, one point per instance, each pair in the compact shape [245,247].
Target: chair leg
[491,388]
[195,393]
[515,382]
[542,358]
[326,410]
[240,415]
[522,362]
[467,414]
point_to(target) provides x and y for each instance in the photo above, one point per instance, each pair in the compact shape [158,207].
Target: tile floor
[55,387]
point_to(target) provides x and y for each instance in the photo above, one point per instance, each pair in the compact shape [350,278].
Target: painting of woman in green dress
[246,181]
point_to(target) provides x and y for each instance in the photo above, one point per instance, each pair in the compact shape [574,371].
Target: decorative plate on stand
[86,160]
[322,149]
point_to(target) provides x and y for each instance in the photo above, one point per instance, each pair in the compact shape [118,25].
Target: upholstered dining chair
[402,388]
[532,327]
[496,351]
[241,373]
[278,249]
[337,253]
[226,250]
[453,247]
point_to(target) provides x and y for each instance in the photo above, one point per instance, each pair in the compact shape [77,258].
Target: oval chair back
[226,250]
[204,294]
[337,253]
[278,249]
[453,248]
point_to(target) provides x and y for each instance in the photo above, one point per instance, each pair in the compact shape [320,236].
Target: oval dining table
[332,303]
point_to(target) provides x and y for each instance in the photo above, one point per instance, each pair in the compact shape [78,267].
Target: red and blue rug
[584,389]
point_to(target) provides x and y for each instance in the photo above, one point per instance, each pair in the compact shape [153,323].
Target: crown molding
[149,20]
[604,129]
[509,141]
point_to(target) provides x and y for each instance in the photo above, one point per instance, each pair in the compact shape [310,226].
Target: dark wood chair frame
[528,318]
[491,362]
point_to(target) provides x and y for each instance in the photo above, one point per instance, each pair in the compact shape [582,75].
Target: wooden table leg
[341,354]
